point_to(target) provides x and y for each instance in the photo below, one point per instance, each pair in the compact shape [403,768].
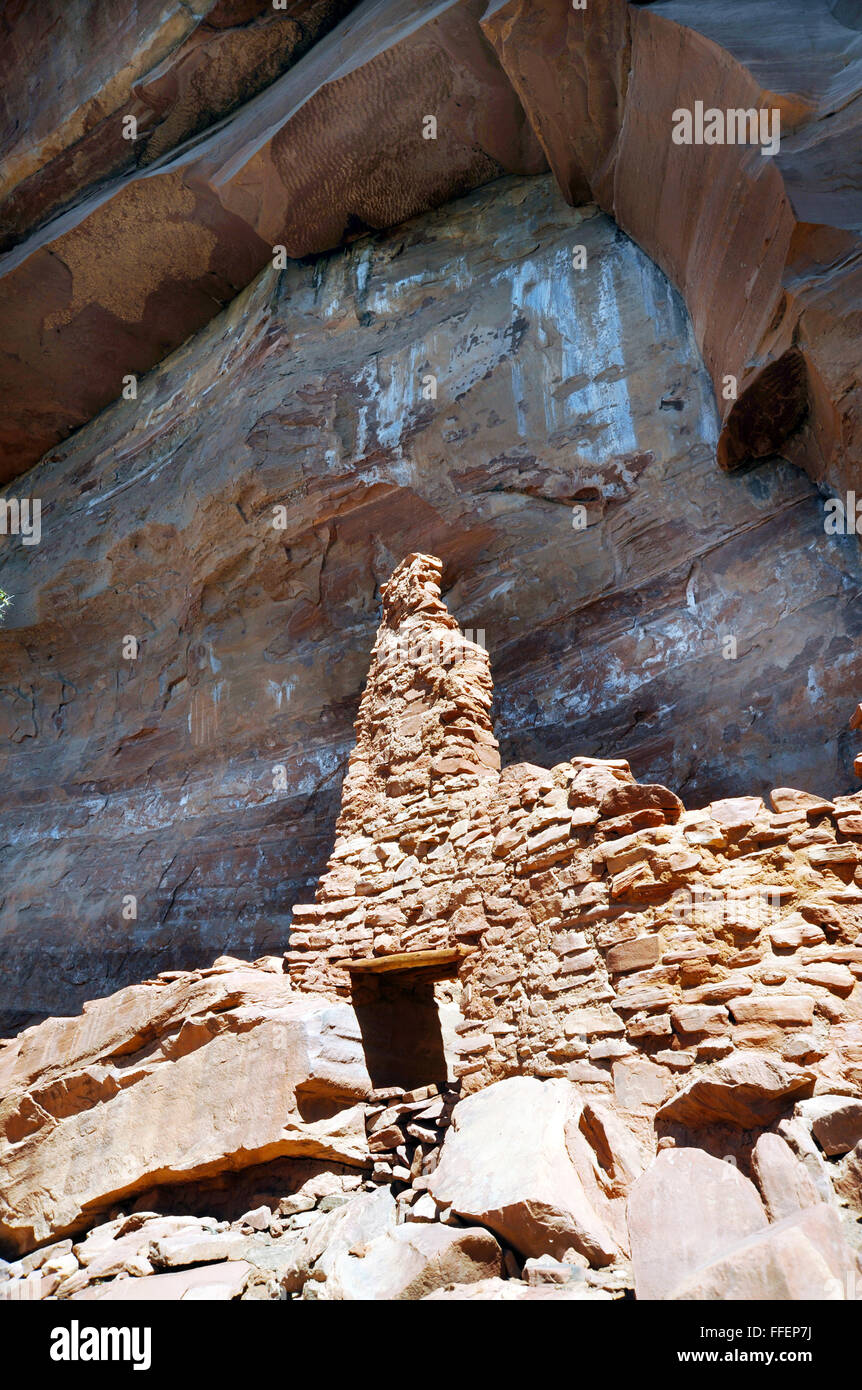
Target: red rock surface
[156,777]
[765,249]
[151,1087]
[136,265]
[659,970]
[77,70]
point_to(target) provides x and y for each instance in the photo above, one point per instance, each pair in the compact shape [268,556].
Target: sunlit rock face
[635,601]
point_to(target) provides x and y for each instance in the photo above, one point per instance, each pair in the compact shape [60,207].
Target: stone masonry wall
[413,830]
[631,940]
[611,936]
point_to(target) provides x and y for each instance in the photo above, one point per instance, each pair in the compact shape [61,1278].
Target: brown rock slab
[836,1122]
[747,1090]
[185,1107]
[699,1018]
[518,1179]
[637,954]
[787,799]
[193,1247]
[410,1262]
[629,797]
[785,1183]
[219,1283]
[789,1010]
[686,1209]
[736,812]
[802,1258]
[640,1083]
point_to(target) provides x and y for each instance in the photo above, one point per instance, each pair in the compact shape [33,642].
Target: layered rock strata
[240,516]
[79,71]
[131,269]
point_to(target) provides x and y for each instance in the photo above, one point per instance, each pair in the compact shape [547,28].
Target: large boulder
[218,1283]
[196,1247]
[506,1163]
[803,1258]
[797,1135]
[172,1082]
[336,1233]
[747,1090]
[683,1212]
[409,1262]
[785,1183]
[836,1122]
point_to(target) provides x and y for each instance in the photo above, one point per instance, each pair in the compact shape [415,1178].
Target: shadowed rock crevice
[767,414]
[402,1035]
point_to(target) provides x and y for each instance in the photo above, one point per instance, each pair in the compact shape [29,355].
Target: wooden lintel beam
[407,960]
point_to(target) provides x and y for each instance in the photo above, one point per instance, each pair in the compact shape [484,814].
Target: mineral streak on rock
[203,778]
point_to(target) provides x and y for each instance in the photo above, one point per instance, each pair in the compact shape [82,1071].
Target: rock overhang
[772,308]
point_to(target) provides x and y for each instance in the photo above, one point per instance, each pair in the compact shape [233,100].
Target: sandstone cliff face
[572,877]
[203,777]
[764,247]
[79,70]
[137,263]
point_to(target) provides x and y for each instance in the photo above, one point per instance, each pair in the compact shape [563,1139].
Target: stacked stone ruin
[600,931]
[405,1131]
[414,830]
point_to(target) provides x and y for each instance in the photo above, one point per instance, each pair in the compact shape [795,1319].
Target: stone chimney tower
[401,890]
